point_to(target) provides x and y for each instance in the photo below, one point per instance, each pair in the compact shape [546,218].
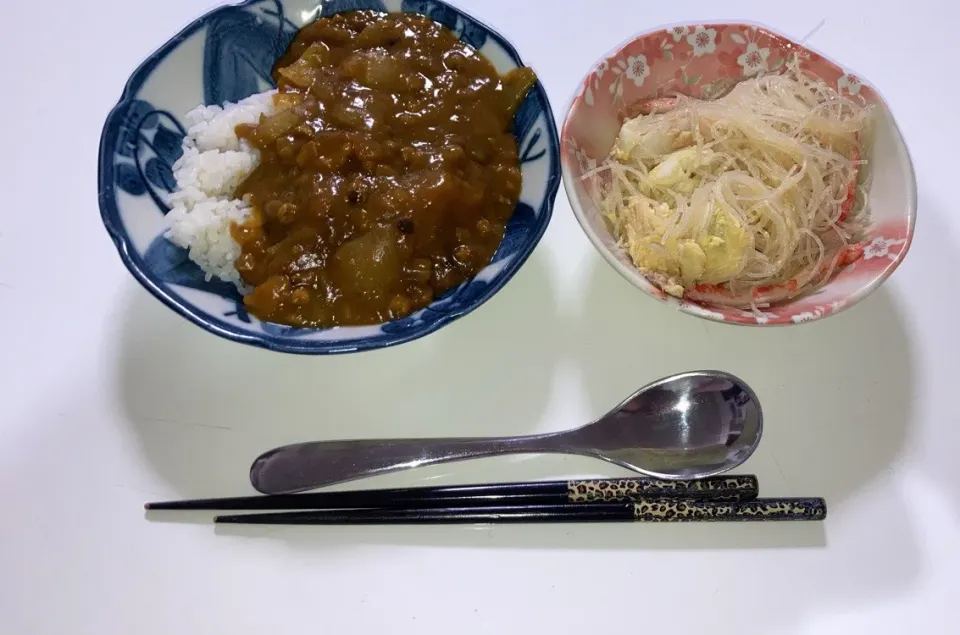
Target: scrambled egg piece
[643,138]
[682,262]
[652,136]
[677,166]
[675,170]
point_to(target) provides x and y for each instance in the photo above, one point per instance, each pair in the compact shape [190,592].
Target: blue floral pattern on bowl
[227,55]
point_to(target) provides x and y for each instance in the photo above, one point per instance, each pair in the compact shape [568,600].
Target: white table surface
[108,399]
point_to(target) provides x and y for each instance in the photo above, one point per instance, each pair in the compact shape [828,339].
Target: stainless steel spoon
[690,425]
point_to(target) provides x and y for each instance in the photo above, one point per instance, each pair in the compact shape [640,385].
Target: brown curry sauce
[387,173]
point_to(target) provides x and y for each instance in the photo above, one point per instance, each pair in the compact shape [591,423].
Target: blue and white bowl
[227,55]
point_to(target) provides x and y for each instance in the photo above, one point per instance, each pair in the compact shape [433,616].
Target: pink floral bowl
[704,61]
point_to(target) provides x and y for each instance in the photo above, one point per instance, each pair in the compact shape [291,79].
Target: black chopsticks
[715,499]
[539,493]
[653,510]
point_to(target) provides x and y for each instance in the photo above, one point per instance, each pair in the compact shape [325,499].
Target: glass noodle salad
[742,201]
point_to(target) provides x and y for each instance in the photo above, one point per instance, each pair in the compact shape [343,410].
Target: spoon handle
[302,466]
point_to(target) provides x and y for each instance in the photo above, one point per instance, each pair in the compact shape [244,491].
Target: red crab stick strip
[655,105]
[852,188]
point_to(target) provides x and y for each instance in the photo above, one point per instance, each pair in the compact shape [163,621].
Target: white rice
[213,164]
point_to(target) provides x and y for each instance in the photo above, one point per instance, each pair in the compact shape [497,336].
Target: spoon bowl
[691,425]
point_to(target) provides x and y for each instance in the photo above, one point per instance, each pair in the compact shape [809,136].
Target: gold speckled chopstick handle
[762,509]
[717,488]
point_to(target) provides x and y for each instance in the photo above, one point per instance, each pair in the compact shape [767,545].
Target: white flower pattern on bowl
[849,83]
[760,317]
[679,32]
[879,247]
[754,59]
[703,41]
[638,69]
